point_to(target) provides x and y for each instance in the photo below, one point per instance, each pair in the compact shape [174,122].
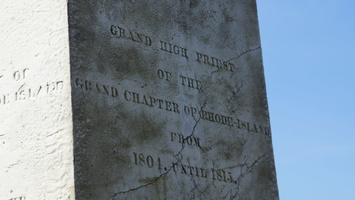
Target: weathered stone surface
[169,101]
[136,100]
[36,157]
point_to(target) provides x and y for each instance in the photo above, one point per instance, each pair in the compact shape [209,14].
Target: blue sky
[309,60]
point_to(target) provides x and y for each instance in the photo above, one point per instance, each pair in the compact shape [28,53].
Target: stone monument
[133,100]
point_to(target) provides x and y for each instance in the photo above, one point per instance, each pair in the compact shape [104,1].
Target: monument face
[133,100]
[169,101]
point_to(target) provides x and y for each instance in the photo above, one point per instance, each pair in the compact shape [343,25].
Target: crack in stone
[192,191]
[176,156]
[237,57]
[191,135]
[14,164]
[197,121]
[205,190]
[219,69]
[244,52]
[248,170]
[139,187]
[234,94]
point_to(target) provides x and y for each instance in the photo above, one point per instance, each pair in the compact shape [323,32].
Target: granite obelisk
[134,100]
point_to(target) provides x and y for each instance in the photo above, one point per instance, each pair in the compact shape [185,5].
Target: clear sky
[309,60]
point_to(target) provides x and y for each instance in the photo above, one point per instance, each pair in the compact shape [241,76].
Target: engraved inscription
[25,92]
[189,170]
[253,127]
[164,75]
[226,120]
[20,74]
[191,83]
[131,35]
[96,87]
[31,93]
[222,175]
[214,174]
[189,140]
[174,49]
[18,198]
[217,118]
[183,80]
[54,86]
[170,106]
[28,93]
[208,116]
[151,101]
[215,62]
[4,99]
[146,161]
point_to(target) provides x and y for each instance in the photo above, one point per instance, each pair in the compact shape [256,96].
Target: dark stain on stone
[145,128]
[148,180]
[194,3]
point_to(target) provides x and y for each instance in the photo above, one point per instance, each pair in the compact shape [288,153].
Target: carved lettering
[191,83]
[30,93]
[54,86]
[24,94]
[189,170]
[222,175]
[151,101]
[18,198]
[189,140]
[215,62]
[148,161]
[20,74]
[120,32]
[215,117]
[4,99]
[253,127]
[155,102]
[214,174]
[173,49]
[226,120]
[96,87]
[209,116]
[189,110]
[164,75]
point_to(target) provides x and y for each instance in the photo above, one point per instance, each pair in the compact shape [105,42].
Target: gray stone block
[134,100]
